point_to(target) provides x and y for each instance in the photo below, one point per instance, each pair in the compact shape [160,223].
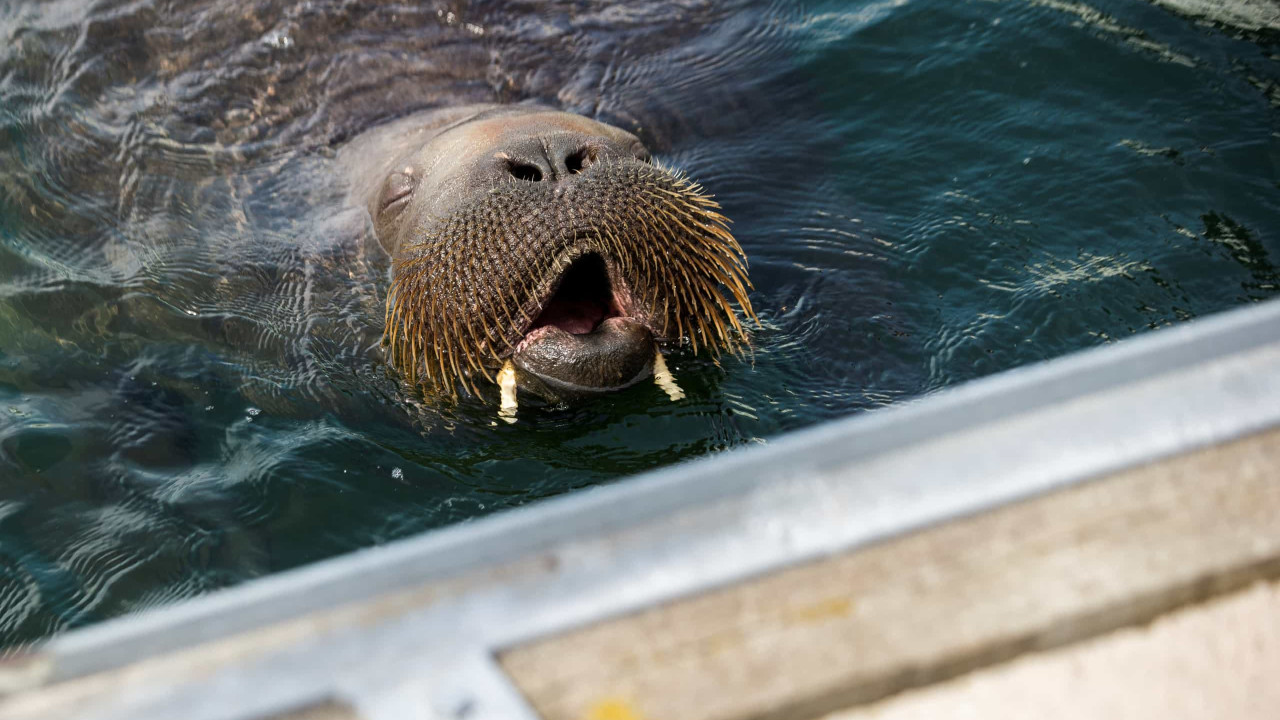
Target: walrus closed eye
[543,250]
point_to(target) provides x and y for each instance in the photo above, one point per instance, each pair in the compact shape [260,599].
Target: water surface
[930,191]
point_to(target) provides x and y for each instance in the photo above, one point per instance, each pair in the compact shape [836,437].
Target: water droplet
[236,117]
[278,39]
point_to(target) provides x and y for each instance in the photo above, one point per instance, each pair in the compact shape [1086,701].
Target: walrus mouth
[589,336]
[583,297]
[576,283]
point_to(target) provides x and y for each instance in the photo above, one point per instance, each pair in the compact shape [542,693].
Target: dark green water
[929,191]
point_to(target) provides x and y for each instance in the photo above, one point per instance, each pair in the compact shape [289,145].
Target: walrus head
[551,243]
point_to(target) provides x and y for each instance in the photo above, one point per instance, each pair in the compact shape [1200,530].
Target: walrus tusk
[507,383]
[662,376]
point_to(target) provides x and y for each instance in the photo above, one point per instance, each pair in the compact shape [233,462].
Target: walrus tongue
[583,299]
[576,317]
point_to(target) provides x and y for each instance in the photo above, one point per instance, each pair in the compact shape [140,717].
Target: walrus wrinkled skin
[545,239]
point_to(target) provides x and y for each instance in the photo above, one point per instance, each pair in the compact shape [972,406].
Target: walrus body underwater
[541,249]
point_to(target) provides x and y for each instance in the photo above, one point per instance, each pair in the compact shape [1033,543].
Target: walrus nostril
[524,171]
[580,160]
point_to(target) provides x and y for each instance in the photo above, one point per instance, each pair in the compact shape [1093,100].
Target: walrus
[194,350]
[215,218]
[543,250]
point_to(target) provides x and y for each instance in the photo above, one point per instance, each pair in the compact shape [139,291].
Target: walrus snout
[544,249]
